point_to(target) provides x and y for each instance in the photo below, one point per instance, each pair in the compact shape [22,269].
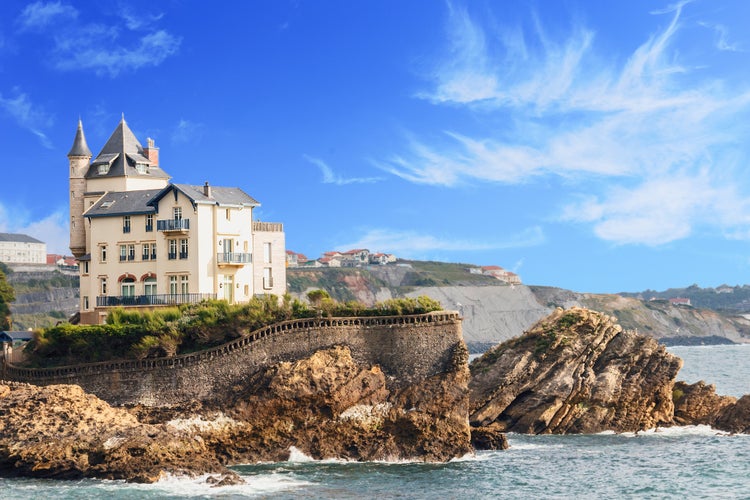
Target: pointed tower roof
[122,156]
[80,148]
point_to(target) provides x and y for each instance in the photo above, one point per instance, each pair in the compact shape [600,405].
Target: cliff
[326,405]
[494,312]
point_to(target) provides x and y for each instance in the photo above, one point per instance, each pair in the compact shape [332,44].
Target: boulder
[575,371]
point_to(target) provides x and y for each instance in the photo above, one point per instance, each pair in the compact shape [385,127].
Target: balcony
[152,300]
[173,225]
[233,259]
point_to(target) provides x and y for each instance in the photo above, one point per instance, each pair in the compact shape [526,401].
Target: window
[173,285]
[141,168]
[127,287]
[149,223]
[267,253]
[228,214]
[267,278]
[146,251]
[85,302]
[227,285]
[103,253]
[177,213]
[184,248]
[85,267]
[131,252]
[103,168]
[184,289]
[172,249]
[149,286]
[126,224]
[123,252]
[103,285]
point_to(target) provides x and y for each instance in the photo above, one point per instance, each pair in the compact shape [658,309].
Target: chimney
[151,152]
[207,190]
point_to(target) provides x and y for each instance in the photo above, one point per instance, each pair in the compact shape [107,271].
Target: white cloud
[28,116]
[52,229]
[187,131]
[570,111]
[722,37]
[329,177]
[412,244]
[106,48]
[39,15]
[93,52]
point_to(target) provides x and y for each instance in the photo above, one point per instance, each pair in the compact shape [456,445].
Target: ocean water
[687,462]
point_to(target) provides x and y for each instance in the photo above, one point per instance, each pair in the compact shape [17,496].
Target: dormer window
[103,168]
[141,168]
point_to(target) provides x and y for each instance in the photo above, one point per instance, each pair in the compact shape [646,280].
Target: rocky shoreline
[575,371]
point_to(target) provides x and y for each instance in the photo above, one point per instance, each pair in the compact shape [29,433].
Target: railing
[152,300]
[173,225]
[172,255]
[272,227]
[234,258]
[183,360]
[183,255]
[149,228]
[126,229]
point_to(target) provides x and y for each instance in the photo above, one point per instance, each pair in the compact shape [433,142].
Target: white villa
[144,242]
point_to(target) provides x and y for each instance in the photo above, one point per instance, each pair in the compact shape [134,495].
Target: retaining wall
[407,348]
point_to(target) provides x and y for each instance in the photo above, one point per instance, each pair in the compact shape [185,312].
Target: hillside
[494,312]
[43,297]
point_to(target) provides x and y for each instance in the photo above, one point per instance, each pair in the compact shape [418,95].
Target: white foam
[297,455]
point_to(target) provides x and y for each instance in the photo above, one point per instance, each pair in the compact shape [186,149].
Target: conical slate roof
[120,155]
[80,148]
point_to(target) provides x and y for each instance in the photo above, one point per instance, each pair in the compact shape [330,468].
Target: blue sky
[596,146]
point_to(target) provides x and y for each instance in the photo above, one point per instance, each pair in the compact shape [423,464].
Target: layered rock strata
[575,371]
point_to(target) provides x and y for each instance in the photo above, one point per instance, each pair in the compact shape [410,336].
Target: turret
[79,158]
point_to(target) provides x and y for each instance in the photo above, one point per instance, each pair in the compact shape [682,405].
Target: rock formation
[698,404]
[575,371]
[326,405]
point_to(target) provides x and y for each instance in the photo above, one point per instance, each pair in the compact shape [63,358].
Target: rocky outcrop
[575,371]
[698,404]
[326,406]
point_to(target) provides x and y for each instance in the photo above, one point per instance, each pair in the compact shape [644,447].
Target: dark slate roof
[124,203]
[80,148]
[219,195]
[20,238]
[121,152]
[11,336]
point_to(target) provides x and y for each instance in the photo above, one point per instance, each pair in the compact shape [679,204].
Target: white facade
[150,243]
[22,249]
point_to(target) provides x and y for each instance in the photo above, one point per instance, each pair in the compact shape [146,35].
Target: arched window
[127,287]
[149,286]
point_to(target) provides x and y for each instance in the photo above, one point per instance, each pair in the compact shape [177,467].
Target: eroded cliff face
[326,405]
[575,371]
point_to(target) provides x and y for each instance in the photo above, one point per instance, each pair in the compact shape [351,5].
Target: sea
[677,462]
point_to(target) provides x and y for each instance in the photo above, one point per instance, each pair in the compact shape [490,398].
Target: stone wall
[407,348]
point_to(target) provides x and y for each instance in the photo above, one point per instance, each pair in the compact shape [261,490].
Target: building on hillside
[382,258]
[680,301]
[62,261]
[355,258]
[294,259]
[144,242]
[22,249]
[498,272]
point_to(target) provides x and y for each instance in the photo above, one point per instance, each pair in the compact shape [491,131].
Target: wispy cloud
[40,15]
[413,244]
[187,131]
[568,110]
[52,229]
[329,177]
[722,37]
[102,47]
[28,116]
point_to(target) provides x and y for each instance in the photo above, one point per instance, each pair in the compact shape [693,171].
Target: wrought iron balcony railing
[173,225]
[152,300]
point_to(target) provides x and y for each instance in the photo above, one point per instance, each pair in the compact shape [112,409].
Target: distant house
[294,259]
[22,249]
[382,258]
[498,272]
[62,261]
[680,301]
[11,345]
[355,258]
[331,261]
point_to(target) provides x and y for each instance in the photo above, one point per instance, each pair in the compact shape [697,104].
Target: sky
[595,146]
